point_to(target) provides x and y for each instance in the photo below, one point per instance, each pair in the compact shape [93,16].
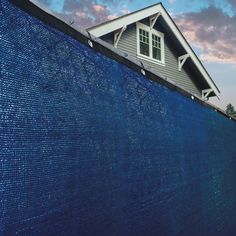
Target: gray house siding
[128,43]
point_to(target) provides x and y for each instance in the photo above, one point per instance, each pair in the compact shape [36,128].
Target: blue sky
[208,25]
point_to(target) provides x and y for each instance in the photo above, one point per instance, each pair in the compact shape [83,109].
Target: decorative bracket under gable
[118,35]
[205,93]
[182,60]
[153,20]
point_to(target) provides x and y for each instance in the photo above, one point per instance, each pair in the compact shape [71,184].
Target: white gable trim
[118,23]
[189,51]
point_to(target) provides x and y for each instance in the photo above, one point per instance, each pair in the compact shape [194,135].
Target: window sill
[160,63]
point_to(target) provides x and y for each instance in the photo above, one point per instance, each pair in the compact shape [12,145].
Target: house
[151,36]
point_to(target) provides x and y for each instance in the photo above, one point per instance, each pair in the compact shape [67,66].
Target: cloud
[233,3]
[112,17]
[125,11]
[211,30]
[87,13]
[171,1]
[99,8]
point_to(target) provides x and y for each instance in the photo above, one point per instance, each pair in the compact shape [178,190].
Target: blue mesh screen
[90,147]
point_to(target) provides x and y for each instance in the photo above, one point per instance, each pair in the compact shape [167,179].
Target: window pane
[156,47]
[144,49]
[156,53]
[144,42]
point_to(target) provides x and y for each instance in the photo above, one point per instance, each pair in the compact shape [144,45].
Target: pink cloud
[99,8]
[87,13]
[213,32]
[80,14]
[112,17]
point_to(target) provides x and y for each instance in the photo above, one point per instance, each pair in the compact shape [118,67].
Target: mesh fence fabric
[90,147]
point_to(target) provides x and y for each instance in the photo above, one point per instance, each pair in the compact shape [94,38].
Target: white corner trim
[118,35]
[182,60]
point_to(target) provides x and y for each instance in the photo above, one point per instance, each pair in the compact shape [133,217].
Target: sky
[208,25]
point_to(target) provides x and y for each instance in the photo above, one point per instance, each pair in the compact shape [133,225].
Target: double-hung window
[150,44]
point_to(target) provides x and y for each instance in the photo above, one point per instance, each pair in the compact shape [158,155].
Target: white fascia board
[189,51]
[113,25]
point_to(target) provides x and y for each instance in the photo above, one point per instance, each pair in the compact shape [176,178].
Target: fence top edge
[83,36]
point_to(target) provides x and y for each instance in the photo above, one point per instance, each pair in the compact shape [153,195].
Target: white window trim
[155,32]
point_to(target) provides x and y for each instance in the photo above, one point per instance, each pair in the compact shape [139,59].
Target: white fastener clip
[90,43]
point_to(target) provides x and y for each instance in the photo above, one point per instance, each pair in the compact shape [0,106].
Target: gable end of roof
[131,18]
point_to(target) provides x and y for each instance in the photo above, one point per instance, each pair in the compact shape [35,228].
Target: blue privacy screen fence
[90,146]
